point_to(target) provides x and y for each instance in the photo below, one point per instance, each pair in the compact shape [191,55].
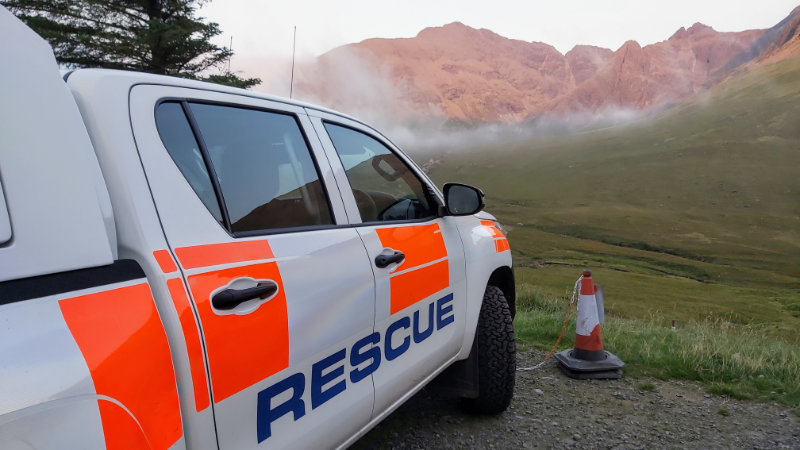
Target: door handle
[229,298]
[389,256]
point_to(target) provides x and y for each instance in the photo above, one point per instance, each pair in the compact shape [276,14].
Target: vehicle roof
[132,78]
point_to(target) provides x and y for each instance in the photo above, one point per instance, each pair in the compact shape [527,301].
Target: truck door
[417,257]
[251,212]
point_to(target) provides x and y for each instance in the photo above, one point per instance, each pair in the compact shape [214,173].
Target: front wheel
[496,355]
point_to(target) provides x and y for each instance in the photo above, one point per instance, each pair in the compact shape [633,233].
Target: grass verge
[730,360]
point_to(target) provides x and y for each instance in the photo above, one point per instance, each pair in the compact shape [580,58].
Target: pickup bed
[185,264]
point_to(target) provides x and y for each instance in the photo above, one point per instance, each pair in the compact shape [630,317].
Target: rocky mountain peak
[699,28]
[462,73]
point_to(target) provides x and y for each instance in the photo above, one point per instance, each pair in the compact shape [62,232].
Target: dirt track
[552,411]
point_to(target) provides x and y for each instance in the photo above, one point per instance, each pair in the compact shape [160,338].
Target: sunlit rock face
[456,72]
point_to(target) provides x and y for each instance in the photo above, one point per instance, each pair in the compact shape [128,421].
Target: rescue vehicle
[184,264]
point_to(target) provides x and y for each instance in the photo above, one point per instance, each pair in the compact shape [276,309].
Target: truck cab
[184,264]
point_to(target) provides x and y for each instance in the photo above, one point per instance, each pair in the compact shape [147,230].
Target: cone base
[609,367]
[602,375]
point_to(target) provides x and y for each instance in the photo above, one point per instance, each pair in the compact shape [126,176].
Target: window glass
[264,167]
[177,136]
[384,187]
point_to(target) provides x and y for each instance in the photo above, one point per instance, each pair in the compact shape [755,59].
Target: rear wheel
[496,355]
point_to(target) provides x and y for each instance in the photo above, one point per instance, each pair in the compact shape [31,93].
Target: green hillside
[691,214]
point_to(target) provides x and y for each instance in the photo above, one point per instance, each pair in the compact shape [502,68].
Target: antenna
[294,46]
[230,55]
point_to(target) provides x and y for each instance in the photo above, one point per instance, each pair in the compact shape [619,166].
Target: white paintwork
[332,281]
[67,423]
[481,261]
[58,205]
[39,360]
[5,222]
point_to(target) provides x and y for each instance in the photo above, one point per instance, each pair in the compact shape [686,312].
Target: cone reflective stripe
[588,360]
[588,338]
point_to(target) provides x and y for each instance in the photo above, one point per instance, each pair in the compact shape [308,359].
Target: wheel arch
[503,278]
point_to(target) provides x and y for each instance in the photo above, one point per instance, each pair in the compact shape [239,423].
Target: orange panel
[490,226]
[194,347]
[501,245]
[165,261]
[410,287]
[242,350]
[229,252]
[123,342]
[120,429]
[420,243]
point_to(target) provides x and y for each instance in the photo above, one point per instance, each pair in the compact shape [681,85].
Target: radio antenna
[294,47]
[230,54]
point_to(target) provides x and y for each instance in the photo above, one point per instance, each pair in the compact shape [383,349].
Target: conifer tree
[156,36]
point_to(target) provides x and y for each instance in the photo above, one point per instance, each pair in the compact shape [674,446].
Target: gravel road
[550,410]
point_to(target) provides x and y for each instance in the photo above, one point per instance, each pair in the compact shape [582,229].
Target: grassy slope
[692,215]
[715,179]
[696,211]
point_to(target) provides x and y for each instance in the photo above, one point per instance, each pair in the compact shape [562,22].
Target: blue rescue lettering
[319,380]
[394,352]
[328,374]
[420,336]
[357,357]
[266,414]
[443,306]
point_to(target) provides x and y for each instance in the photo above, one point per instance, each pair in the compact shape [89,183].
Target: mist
[354,84]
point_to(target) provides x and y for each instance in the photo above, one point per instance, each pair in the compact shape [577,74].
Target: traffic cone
[588,359]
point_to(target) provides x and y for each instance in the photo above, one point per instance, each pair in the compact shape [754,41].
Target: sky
[262,30]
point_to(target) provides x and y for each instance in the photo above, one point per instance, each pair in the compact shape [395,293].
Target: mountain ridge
[456,72]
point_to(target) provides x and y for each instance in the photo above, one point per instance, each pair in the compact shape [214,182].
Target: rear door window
[260,162]
[178,138]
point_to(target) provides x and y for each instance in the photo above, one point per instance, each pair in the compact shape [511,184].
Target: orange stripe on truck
[225,253]
[242,349]
[194,346]
[420,243]
[120,429]
[490,226]
[165,261]
[500,241]
[501,245]
[123,342]
[410,287]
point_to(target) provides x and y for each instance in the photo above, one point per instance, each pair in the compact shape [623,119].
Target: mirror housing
[462,199]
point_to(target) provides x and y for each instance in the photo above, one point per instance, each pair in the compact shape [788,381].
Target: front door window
[384,187]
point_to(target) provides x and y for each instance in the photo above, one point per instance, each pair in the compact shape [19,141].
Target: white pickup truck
[184,264]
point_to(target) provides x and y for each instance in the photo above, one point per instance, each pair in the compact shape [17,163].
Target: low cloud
[351,82]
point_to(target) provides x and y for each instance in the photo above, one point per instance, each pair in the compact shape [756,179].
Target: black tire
[496,354]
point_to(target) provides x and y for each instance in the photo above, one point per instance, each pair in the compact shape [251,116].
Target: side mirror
[462,200]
